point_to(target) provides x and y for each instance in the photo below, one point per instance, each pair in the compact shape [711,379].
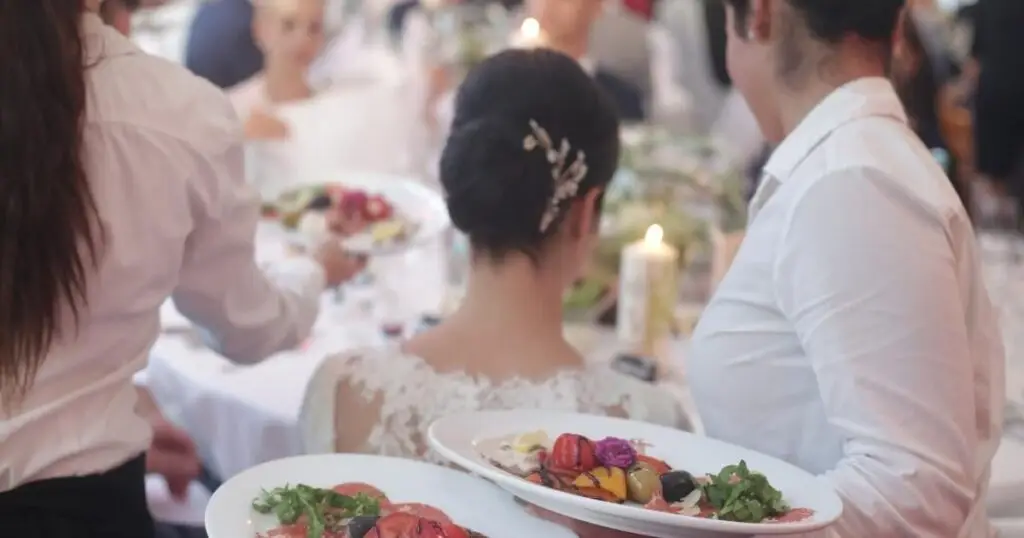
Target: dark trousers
[106,505]
[164,530]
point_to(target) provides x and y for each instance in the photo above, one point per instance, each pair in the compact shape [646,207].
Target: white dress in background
[382,400]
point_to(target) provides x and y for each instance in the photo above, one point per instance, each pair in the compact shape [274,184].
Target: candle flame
[530,29]
[654,235]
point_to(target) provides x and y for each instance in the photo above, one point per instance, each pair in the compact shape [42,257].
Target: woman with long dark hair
[121,183]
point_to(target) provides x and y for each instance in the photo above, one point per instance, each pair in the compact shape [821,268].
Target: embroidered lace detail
[407,395]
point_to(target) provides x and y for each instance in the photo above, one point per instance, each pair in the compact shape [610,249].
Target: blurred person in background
[922,66]
[220,46]
[620,43]
[997,71]
[566,27]
[130,170]
[290,36]
[718,111]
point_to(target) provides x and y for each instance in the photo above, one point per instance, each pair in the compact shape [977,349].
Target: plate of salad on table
[364,496]
[367,213]
[636,477]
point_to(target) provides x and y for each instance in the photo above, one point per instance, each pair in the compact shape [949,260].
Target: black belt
[105,505]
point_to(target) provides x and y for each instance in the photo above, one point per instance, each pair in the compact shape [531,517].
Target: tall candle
[648,279]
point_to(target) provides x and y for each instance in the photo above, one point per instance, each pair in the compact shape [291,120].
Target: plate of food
[363,496]
[634,476]
[370,214]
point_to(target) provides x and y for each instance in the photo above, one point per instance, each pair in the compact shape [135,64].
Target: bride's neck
[513,300]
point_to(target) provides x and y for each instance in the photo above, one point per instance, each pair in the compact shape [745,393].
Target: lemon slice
[388,231]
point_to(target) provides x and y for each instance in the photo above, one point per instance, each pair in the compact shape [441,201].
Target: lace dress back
[382,401]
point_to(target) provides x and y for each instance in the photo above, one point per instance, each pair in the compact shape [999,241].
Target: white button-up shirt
[853,335]
[163,156]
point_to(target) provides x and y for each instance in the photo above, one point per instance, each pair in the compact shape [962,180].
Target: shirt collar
[861,98]
[101,41]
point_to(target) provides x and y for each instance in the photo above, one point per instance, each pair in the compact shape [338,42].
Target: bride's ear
[585,216]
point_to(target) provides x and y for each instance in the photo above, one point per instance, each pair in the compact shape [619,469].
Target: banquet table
[241,416]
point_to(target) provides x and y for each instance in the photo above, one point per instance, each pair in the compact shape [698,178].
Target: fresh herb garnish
[739,494]
[325,509]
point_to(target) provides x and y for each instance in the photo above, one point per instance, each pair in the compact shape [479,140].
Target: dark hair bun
[500,193]
[496,189]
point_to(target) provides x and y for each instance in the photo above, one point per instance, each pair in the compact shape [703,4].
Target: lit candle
[529,34]
[648,276]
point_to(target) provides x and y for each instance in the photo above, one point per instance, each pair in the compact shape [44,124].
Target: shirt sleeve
[868,277]
[247,312]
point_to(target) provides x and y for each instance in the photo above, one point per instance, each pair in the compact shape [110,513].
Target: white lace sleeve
[381,401]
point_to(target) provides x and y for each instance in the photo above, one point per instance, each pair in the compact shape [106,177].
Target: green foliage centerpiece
[677,182]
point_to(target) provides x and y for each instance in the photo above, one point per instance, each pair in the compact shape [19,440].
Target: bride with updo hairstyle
[533,145]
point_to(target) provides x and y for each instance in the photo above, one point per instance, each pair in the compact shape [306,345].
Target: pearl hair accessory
[566,178]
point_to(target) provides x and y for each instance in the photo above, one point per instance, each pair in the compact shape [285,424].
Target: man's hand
[172,455]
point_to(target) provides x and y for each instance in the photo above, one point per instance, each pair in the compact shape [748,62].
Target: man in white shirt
[854,319]
[853,335]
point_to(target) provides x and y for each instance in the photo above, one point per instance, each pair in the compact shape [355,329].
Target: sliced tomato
[351,489]
[432,529]
[424,511]
[394,525]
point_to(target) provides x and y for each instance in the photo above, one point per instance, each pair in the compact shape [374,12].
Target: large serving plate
[415,202]
[458,437]
[469,501]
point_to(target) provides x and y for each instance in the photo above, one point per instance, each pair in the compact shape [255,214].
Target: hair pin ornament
[566,178]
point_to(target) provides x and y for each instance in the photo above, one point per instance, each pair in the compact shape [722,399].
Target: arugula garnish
[739,494]
[324,509]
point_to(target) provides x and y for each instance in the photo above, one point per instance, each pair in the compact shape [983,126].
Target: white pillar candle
[648,278]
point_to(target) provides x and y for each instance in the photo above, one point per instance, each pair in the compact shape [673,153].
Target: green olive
[642,482]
